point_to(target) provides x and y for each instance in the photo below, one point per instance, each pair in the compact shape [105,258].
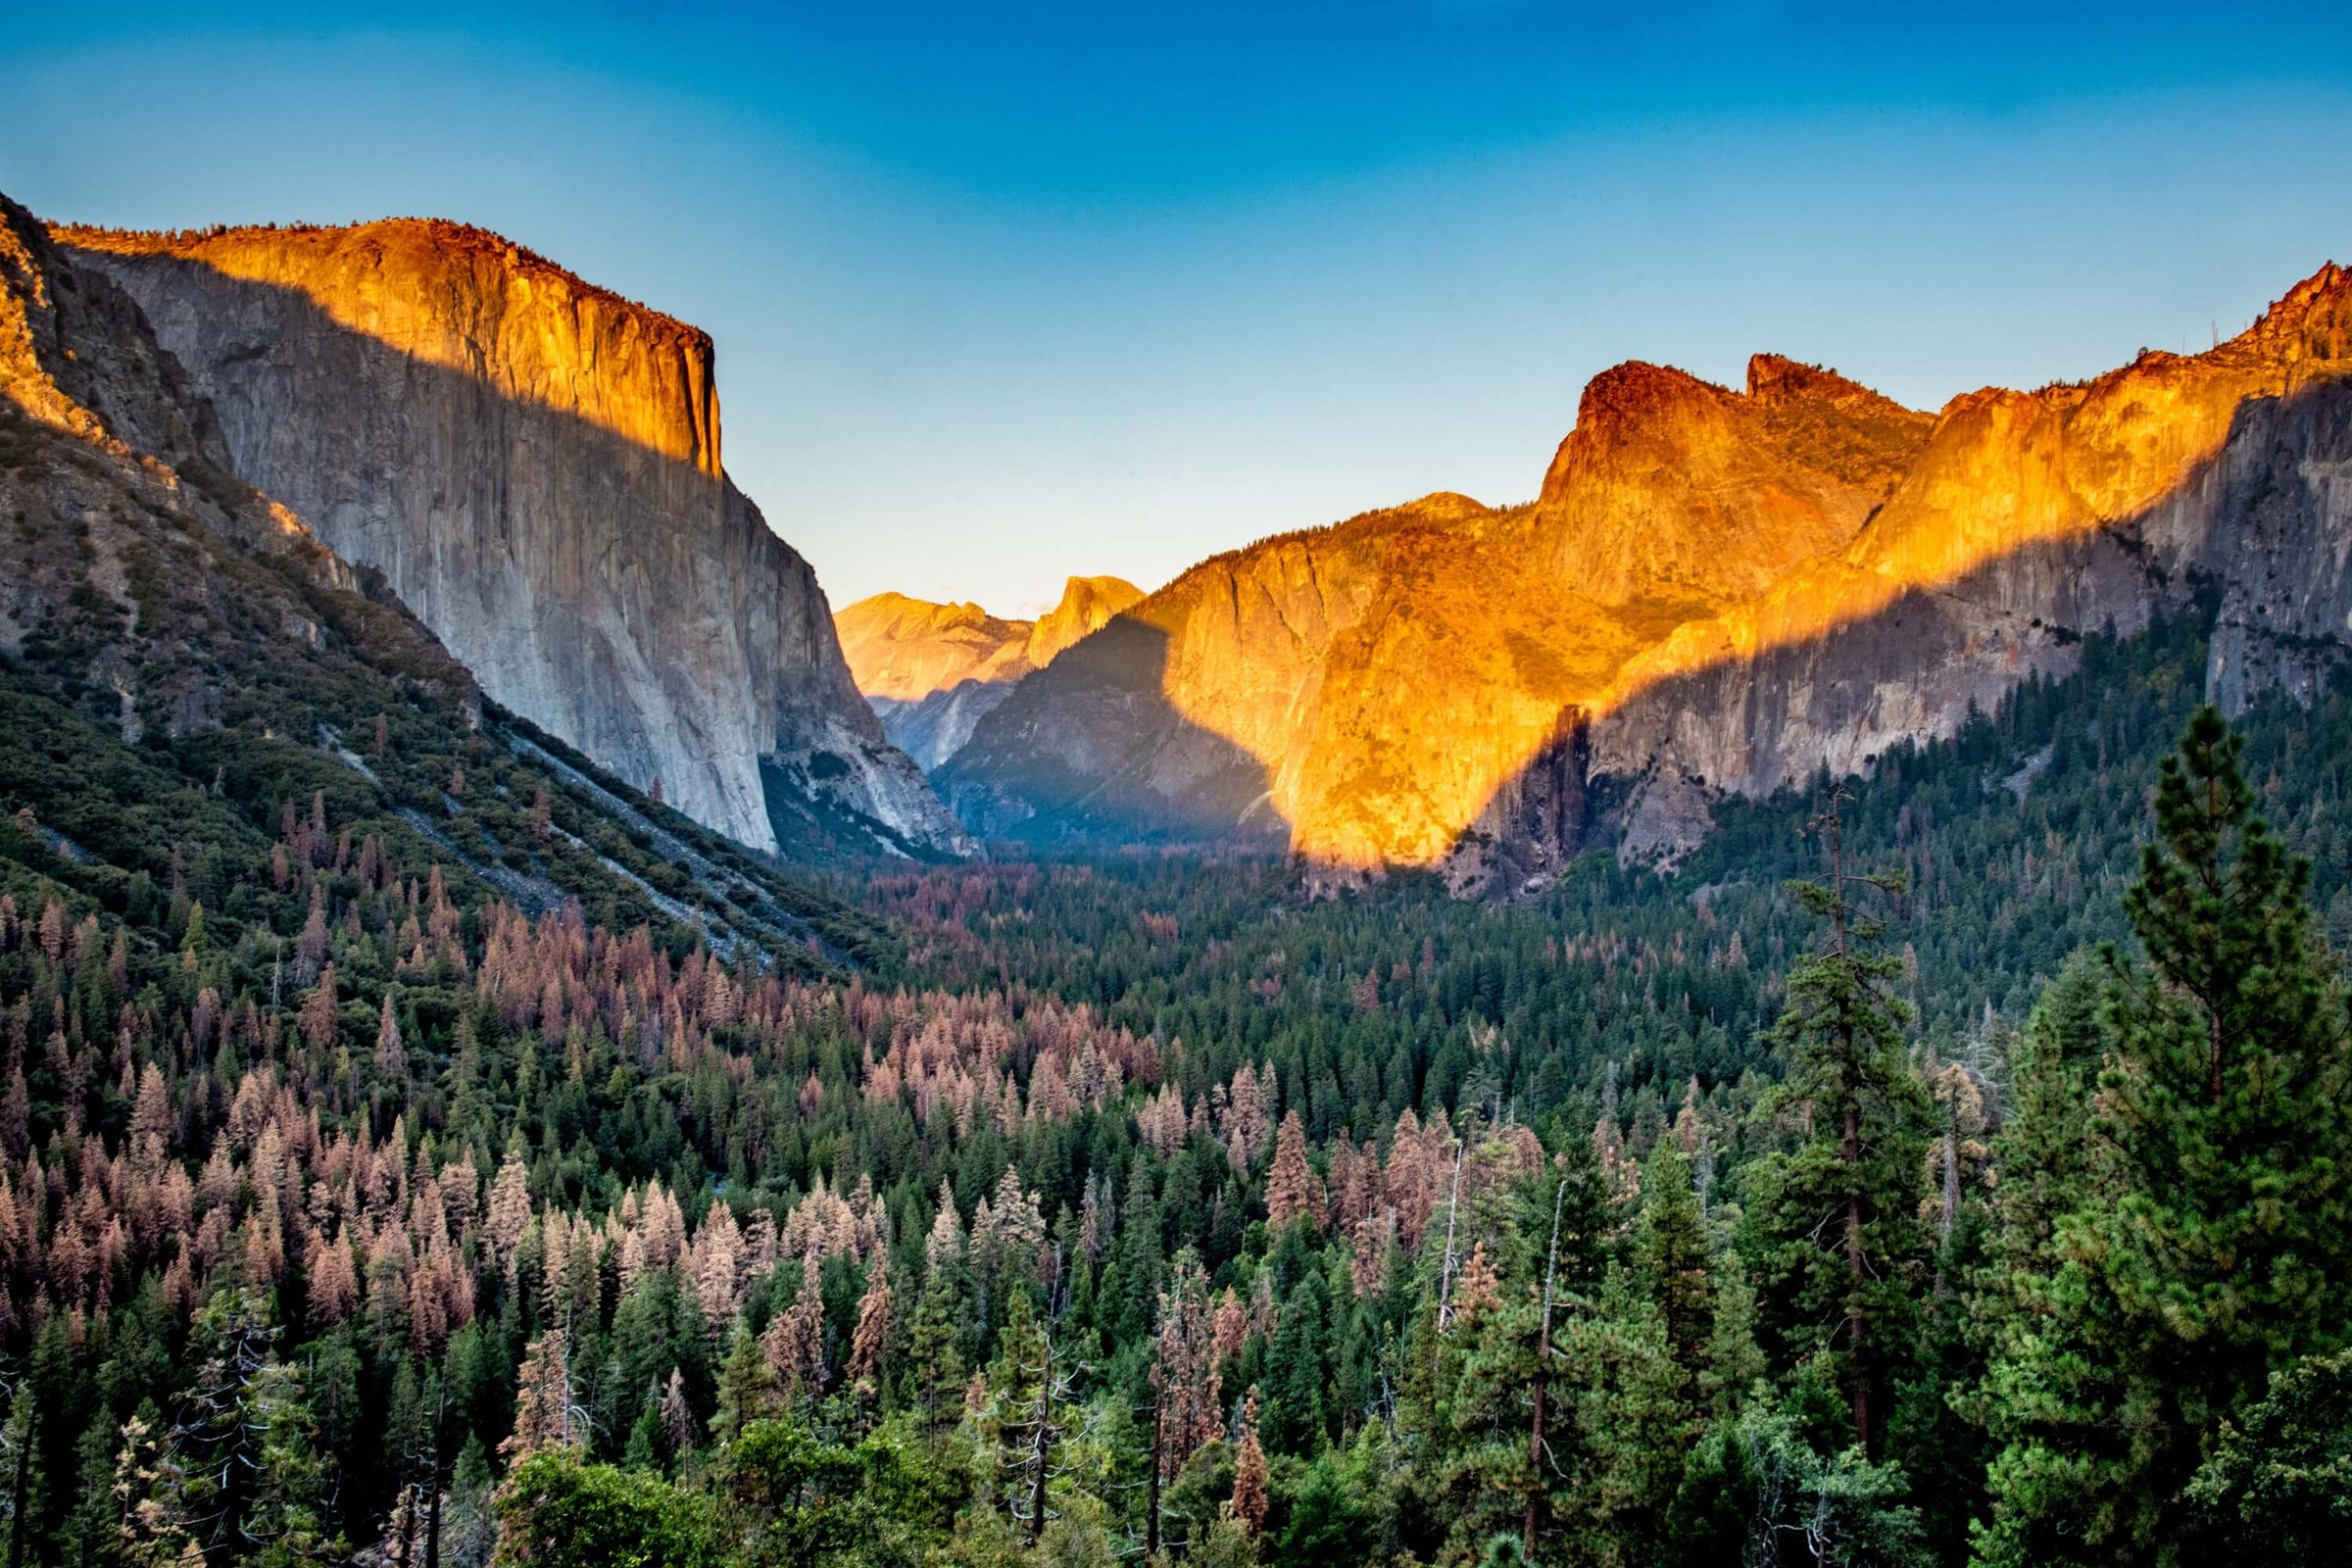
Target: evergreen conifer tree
[2211,1242]
[1671,1259]
[1840,1214]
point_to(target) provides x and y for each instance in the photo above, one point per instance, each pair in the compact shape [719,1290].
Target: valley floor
[351,1206]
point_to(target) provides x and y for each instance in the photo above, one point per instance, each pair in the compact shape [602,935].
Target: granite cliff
[1715,591]
[184,668]
[933,671]
[534,466]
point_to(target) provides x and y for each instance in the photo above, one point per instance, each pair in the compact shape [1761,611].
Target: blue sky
[1008,292]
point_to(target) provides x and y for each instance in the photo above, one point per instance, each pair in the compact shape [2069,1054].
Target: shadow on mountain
[1427,693]
[595,569]
[2257,530]
[1090,751]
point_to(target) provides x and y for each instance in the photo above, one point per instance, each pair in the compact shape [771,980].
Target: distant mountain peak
[1086,603]
[932,670]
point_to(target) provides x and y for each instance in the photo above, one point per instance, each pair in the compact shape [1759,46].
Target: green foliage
[555,1512]
[788,1497]
[638,1166]
[2209,1247]
[2276,1486]
[1824,1509]
[1837,1215]
[1673,1262]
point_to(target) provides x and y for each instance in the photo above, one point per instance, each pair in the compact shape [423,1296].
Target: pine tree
[1032,1388]
[238,1470]
[2212,1241]
[1296,1370]
[1250,1503]
[408,1445]
[677,1417]
[1294,1191]
[1192,1408]
[2048,1148]
[21,1471]
[1841,1213]
[795,1340]
[1671,1259]
[870,1341]
[318,1011]
[747,1386]
[391,1053]
[545,1413]
[1139,1255]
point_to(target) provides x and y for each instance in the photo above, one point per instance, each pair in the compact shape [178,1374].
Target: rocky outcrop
[1355,691]
[2029,521]
[932,671]
[534,466]
[1678,494]
[1716,591]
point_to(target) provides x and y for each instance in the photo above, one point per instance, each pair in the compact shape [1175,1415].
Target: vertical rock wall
[535,465]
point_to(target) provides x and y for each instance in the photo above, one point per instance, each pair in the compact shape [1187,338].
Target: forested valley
[1942,1166]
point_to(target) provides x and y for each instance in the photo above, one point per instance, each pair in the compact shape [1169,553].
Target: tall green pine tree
[1839,1216]
[2212,1241]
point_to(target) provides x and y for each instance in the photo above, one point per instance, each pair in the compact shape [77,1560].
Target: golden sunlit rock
[1715,590]
[933,671]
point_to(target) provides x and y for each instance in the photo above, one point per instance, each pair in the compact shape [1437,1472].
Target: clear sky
[1003,293]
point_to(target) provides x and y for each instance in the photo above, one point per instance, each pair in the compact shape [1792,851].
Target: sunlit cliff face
[466,300]
[2003,472]
[535,465]
[1412,664]
[1392,674]
[903,649]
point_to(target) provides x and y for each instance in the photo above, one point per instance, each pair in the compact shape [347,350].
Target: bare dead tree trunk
[1535,1430]
[21,1489]
[1152,1493]
[1044,1427]
[1453,1204]
[1856,1326]
[432,1529]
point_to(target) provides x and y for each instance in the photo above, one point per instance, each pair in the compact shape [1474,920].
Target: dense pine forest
[1937,1167]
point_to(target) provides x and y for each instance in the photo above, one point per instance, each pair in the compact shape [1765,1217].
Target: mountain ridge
[536,465]
[932,670]
[1715,592]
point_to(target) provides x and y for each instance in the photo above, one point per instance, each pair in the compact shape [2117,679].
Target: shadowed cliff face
[1723,591]
[1379,677]
[932,671]
[1099,754]
[535,465]
[180,652]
